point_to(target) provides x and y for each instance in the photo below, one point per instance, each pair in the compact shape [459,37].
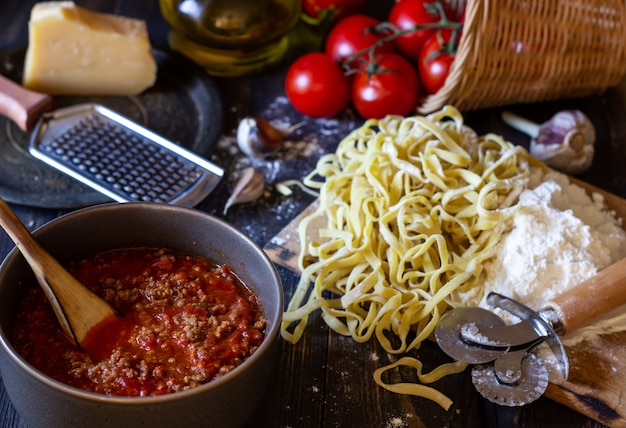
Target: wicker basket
[522,51]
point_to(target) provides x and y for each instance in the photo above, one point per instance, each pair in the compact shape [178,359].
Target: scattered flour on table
[560,237]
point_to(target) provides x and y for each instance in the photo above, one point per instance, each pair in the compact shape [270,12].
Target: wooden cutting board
[597,380]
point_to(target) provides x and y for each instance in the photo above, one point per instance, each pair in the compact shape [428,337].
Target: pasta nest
[410,209]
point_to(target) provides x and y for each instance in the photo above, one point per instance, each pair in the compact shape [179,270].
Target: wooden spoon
[78,309]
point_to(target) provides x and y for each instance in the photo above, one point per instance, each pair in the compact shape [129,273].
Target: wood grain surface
[595,386]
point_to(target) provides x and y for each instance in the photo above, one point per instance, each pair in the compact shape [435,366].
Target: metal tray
[183,106]
[121,159]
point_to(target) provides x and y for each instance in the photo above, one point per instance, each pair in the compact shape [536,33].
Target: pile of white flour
[560,237]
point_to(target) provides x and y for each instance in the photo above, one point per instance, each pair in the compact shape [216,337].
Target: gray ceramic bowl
[225,402]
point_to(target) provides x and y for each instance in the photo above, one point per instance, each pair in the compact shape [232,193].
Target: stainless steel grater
[120,158]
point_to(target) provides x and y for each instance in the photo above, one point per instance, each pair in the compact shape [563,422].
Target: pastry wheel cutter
[108,152]
[507,369]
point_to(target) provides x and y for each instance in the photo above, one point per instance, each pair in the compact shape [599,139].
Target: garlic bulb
[565,142]
[248,187]
[257,137]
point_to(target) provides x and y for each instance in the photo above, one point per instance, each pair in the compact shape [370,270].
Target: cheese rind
[75,51]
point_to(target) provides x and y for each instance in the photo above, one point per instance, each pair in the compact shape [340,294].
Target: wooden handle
[593,298]
[22,106]
[76,307]
[16,230]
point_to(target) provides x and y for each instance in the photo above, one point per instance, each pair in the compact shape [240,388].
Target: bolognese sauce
[185,321]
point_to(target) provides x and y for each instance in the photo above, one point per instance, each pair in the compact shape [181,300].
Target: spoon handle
[77,308]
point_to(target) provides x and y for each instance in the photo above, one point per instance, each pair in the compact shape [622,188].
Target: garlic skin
[565,142]
[249,186]
[257,137]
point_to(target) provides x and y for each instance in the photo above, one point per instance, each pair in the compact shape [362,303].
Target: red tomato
[391,86]
[342,8]
[316,85]
[435,59]
[353,34]
[405,14]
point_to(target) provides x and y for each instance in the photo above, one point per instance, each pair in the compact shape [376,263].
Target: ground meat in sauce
[188,322]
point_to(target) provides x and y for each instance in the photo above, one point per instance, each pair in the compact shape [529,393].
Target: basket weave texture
[523,51]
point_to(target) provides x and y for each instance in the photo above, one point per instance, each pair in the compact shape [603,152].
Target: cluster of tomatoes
[382,67]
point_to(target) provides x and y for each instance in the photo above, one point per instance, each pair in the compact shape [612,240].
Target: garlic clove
[565,142]
[249,186]
[573,156]
[563,123]
[257,137]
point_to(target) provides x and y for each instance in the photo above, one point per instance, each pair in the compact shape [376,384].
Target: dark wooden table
[326,380]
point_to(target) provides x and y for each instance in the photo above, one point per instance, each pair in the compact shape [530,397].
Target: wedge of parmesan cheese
[72,50]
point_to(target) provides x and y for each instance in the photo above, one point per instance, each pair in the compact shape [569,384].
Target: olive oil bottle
[231,37]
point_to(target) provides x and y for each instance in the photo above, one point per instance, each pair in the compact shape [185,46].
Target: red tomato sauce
[186,321]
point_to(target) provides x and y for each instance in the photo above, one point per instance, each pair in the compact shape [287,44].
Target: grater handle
[22,106]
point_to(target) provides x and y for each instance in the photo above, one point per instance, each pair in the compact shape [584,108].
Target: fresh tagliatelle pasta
[411,208]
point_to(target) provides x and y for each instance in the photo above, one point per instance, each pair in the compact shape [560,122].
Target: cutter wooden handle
[22,106]
[593,298]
